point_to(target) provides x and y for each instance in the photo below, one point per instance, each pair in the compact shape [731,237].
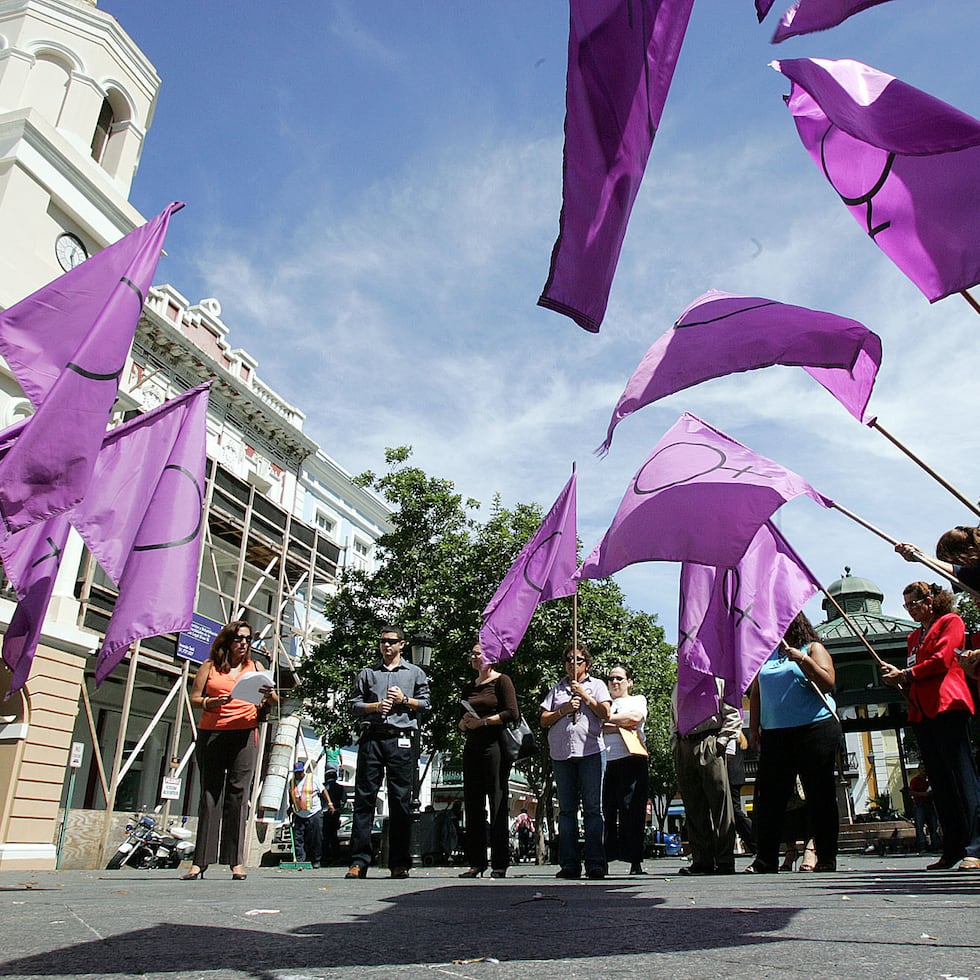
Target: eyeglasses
[575,660]
[241,639]
[914,602]
[387,641]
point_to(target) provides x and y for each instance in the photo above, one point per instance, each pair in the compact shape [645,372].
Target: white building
[76,100]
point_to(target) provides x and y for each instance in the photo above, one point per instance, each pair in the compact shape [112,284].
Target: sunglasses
[388,642]
[575,660]
[241,639]
[914,602]
[617,680]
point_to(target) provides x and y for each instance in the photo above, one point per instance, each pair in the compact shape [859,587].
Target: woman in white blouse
[627,781]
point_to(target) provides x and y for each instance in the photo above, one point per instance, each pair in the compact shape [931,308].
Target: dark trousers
[226,762]
[308,837]
[809,751]
[376,758]
[743,822]
[331,841]
[486,777]
[625,789]
[944,742]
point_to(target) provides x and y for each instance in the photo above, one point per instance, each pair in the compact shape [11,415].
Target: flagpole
[922,558]
[966,295]
[873,424]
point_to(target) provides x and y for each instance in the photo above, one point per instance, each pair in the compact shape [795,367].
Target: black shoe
[472,873]
[943,864]
[356,872]
[498,873]
[596,873]
[568,873]
[724,869]
[758,868]
[637,869]
[694,869]
[399,872]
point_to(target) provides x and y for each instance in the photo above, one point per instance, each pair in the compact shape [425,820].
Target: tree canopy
[437,568]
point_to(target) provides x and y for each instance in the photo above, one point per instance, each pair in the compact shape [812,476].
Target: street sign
[75,759]
[170,790]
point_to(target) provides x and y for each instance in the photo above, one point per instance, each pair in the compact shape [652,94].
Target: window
[103,130]
[324,523]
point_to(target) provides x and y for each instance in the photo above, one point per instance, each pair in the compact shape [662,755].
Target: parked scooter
[146,846]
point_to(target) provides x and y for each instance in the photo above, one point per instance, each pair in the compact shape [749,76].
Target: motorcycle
[147,846]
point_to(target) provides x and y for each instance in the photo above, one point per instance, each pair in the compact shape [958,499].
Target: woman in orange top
[227,747]
[940,706]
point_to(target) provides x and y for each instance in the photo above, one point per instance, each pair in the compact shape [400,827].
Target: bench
[881,836]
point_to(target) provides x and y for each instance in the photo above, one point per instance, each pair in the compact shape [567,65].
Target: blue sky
[373,193]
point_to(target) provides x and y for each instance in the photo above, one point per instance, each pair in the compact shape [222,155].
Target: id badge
[911,660]
[404,742]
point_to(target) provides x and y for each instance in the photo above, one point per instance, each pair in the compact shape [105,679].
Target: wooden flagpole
[965,294]
[922,558]
[915,459]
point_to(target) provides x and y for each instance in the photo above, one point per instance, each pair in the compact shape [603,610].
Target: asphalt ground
[874,918]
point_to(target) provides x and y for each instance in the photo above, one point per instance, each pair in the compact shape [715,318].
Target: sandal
[789,860]
[809,858]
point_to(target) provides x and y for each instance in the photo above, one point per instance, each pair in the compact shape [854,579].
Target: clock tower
[76,99]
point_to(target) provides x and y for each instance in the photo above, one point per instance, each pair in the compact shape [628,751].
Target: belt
[385,731]
[697,736]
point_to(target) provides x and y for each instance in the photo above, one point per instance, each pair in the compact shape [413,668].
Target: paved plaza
[875,918]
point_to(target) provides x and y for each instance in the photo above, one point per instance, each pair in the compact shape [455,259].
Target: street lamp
[420,647]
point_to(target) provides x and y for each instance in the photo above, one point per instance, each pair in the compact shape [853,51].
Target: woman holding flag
[574,711]
[940,706]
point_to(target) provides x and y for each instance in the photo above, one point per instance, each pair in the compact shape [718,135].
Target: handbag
[517,740]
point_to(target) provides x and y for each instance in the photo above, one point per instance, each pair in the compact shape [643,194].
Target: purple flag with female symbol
[808,16]
[906,165]
[721,334]
[700,496]
[32,569]
[67,345]
[621,58]
[143,521]
[732,618]
[542,571]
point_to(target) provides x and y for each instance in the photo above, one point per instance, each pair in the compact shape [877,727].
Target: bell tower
[76,99]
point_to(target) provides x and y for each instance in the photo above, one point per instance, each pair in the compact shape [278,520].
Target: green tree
[437,569]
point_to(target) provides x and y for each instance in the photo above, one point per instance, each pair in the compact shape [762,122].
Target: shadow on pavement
[436,925]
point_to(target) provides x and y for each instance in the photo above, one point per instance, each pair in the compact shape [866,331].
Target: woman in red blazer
[940,706]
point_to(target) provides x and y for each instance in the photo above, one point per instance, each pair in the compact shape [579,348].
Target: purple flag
[721,334]
[731,619]
[66,345]
[142,519]
[621,58]
[32,568]
[700,496]
[762,7]
[542,571]
[807,16]
[906,165]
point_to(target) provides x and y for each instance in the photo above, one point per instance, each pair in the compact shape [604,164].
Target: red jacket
[938,682]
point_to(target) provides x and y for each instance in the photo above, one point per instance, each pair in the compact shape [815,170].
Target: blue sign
[195,644]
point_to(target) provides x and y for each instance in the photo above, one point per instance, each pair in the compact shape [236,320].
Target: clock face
[70,251]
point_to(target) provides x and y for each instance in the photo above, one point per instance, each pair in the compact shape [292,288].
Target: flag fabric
[32,569]
[732,618]
[700,497]
[906,165]
[67,345]
[762,7]
[720,334]
[621,58]
[542,571]
[142,519]
[808,16]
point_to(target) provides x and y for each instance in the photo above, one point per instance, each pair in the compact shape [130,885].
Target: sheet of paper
[247,686]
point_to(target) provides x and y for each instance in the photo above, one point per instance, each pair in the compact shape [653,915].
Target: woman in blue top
[793,722]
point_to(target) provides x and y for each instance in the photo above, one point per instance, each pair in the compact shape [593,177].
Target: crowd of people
[596,742]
